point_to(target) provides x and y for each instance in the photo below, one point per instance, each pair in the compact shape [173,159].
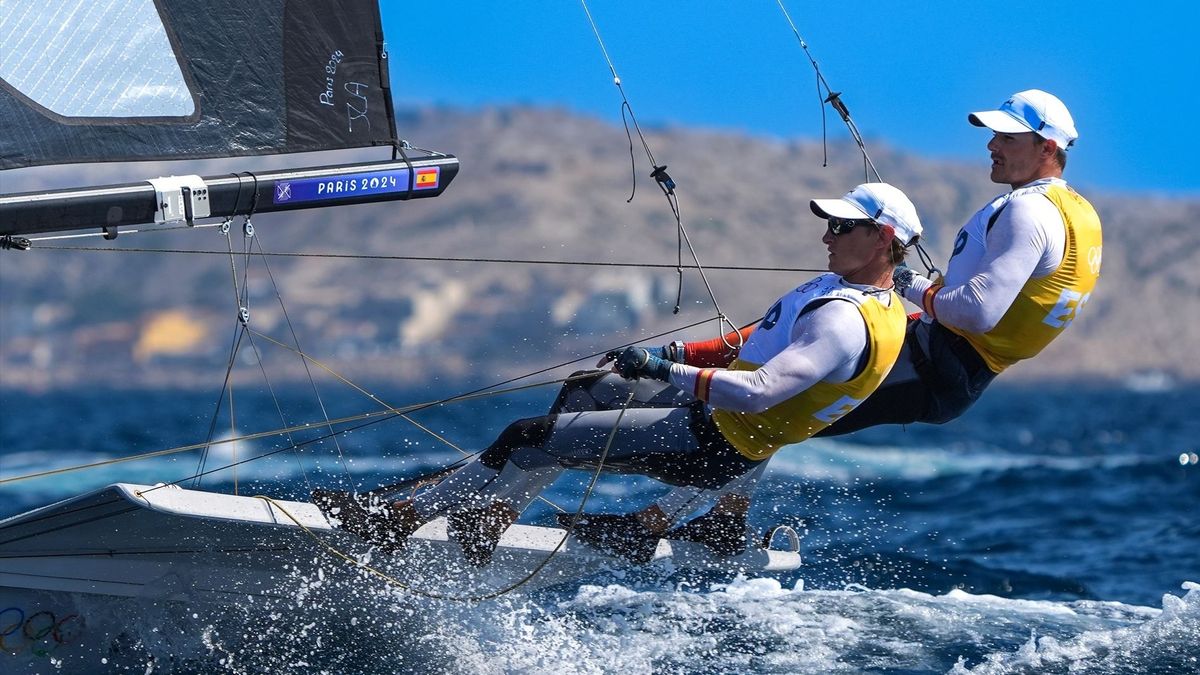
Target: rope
[296,341]
[833,98]
[504,261]
[373,397]
[377,416]
[667,185]
[482,392]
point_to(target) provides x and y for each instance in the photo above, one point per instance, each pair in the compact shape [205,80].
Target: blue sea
[1049,530]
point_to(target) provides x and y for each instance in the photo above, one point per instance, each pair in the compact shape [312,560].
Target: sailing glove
[637,362]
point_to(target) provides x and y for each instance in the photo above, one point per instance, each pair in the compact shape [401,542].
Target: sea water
[1049,530]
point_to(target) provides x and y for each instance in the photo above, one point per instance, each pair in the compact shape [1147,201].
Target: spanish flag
[427,179]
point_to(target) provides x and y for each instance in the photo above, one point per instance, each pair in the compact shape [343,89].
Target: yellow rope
[357,388]
[350,559]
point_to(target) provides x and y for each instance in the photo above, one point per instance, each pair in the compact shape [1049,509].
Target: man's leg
[605,390]
[723,528]
[485,497]
[473,484]
[656,442]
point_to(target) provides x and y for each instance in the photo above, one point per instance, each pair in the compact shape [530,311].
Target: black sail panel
[122,80]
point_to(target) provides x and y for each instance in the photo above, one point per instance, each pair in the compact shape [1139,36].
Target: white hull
[169,546]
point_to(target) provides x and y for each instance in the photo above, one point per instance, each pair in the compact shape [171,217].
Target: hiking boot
[347,510]
[368,517]
[478,530]
[722,533]
[622,535]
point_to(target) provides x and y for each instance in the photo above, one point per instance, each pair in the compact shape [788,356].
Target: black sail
[122,80]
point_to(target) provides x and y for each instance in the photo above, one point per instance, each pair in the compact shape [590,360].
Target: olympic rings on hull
[40,634]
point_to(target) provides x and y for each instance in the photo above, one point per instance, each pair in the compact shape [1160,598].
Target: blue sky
[910,71]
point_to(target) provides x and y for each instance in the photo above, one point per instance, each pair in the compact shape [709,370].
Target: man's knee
[530,432]
[575,394]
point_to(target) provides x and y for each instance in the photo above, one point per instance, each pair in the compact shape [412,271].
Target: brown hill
[545,185]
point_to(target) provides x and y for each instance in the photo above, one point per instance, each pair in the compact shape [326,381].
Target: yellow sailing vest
[759,435]
[1045,307]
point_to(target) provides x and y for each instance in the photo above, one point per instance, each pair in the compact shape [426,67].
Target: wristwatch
[676,351]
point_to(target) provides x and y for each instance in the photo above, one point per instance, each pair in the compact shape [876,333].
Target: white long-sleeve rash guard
[1026,242]
[826,345]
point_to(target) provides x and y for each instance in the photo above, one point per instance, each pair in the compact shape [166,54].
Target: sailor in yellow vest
[1021,270]
[820,350]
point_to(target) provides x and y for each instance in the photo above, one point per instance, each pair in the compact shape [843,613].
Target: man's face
[853,250]
[1017,159]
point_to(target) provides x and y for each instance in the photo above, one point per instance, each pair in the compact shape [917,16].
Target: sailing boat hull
[75,573]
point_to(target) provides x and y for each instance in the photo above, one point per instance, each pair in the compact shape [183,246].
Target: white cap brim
[998,120]
[838,208]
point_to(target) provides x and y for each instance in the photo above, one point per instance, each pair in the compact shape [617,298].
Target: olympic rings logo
[41,633]
[1094,254]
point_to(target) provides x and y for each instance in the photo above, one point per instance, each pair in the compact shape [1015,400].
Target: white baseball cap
[1031,110]
[880,202]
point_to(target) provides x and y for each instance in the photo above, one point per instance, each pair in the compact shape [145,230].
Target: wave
[757,625]
[1166,643]
[839,461]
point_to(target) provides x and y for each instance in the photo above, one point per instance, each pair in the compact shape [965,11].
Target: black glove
[637,362]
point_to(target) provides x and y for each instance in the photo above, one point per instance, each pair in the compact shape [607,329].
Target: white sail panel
[93,58]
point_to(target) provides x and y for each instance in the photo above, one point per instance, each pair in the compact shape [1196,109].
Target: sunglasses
[843,225]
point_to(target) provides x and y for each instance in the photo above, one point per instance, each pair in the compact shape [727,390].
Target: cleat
[622,535]
[722,533]
[478,530]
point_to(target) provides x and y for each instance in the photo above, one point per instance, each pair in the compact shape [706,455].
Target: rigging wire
[481,392]
[417,258]
[306,358]
[834,99]
[212,425]
[667,185]
[494,389]
[296,341]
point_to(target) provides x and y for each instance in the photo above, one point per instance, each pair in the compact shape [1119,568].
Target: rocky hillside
[544,185]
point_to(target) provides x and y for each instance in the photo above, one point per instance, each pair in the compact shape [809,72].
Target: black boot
[478,530]
[621,535]
[723,533]
[369,517]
